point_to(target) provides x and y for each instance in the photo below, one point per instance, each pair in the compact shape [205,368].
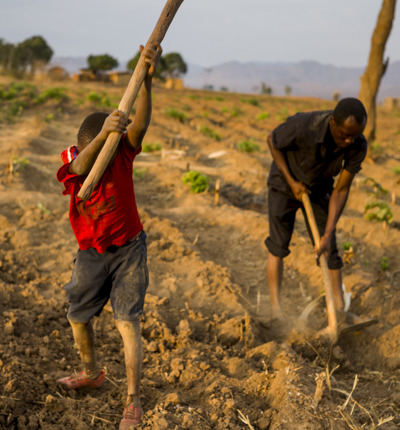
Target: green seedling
[378,211]
[262,116]
[19,164]
[384,263]
[210,133]
[251,101]
[198,182]
[151,147]
[282,115]
[50,117]
[139,173]
[376,148]
[248,146]
[55,93]
[378,190]
[347,246]
[43,208]
[235,112]
[175,114]
[101,100]
[396,170]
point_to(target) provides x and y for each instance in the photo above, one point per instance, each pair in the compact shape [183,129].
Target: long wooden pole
[332,329]
[129,97]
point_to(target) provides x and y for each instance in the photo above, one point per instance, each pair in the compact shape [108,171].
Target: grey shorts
[119,274]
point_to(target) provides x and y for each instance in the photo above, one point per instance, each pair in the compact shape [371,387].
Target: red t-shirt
[110,216]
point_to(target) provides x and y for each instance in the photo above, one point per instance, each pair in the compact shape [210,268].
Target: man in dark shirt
[308,151]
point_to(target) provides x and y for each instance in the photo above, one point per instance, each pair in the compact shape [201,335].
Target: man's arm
[298,188]
[137,130]
[337,203]
[86,158]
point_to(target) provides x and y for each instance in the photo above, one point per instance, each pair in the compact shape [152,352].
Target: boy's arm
[82,164]
[138,128]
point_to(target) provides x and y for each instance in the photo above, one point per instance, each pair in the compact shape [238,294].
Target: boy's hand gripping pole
[128,99]
[332,329]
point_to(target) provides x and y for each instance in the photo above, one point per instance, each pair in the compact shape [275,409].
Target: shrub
[198,182]
[248,146]
[384,263]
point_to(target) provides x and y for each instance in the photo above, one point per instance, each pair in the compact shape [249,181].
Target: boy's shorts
[282,210]
[119,274]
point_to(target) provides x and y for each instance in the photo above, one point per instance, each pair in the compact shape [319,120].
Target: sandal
[75,382]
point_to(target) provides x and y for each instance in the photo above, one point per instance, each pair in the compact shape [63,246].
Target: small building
[57,73]
[391,103]
[174,84]
[84,75]
[120,78]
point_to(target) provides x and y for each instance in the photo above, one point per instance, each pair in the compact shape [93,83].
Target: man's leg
[274,275]
[130,332]
[84,339]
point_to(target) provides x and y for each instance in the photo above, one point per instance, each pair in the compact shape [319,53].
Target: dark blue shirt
[311,153]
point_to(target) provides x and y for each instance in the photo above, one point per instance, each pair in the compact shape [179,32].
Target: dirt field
[213,356]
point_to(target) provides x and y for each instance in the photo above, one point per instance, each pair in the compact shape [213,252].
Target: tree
[6,54]
[376,68]
[24,56]
[265,89]
[288,90]
[103,62]
[132,63]
[174,65]
[37,51]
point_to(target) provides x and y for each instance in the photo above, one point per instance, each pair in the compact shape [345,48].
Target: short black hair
[91,127]
[347,107]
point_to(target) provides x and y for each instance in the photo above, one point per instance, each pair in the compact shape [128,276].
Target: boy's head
[90,128]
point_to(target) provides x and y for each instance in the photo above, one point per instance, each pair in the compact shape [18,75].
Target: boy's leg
[130,332]
[84,339]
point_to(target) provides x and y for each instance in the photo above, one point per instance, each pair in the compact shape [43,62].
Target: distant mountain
[306,78]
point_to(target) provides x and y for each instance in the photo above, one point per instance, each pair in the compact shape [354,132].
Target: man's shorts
[282,210]
[119,274]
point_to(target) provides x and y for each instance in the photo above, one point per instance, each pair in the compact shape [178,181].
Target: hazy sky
[205,32]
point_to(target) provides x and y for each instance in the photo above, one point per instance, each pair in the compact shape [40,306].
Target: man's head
[348,121]
[90,128]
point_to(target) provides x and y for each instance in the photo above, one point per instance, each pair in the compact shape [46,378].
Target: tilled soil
[214,358]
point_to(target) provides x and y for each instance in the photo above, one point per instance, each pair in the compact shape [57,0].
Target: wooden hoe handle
[332,328]
[128,99]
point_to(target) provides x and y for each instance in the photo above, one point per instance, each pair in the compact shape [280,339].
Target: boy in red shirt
[111,260]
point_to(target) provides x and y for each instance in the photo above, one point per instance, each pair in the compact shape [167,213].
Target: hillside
[306,78]
[214,358]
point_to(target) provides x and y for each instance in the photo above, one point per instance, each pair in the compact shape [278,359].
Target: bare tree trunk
[376,67]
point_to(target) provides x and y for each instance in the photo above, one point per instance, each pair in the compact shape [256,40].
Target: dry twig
[245,419]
